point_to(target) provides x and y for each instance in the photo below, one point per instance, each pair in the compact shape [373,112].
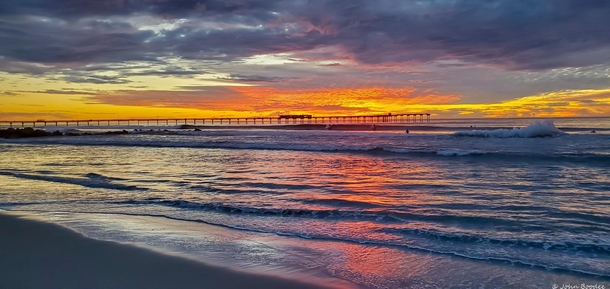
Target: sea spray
[544,128]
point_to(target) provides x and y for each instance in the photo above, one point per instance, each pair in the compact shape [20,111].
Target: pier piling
[282,119]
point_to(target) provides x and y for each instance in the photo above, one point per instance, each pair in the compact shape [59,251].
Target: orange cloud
[218,101]
[566,103]
[269,101]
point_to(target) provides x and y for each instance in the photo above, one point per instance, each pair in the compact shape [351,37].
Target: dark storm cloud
[513,34]
[331,64]
[65,91]
[165,72]
[443,65]
[57,42]
[253,78]
[226,45]
[8,93]
[510,34]
[70,9]
[159,68]
[95,79]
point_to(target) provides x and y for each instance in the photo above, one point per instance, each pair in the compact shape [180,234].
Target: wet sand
[35,254]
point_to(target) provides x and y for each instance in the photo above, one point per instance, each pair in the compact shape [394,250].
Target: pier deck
[283,119]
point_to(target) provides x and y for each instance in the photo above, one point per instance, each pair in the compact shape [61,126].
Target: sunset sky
[100,59]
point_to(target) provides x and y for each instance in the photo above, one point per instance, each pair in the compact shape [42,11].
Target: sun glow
[267,101]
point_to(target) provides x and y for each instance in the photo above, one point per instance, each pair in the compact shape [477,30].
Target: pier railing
[281,120]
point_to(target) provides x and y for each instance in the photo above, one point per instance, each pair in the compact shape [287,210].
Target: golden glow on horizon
[568,103]
[28,98]
[341,100]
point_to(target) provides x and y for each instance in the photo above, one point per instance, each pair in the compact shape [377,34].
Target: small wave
[102,177]
[545,245]
[357,214]
[445,152]
[285,212]
[458,153]
[96,182]
[339,203]
[17,204]
[545,128]
[71,131]
[350,211]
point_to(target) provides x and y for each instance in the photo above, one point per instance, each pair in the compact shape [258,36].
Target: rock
[117,132]
[22,133]
[27,131]
[30,132]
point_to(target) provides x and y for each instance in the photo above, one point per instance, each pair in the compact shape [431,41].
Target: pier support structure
[286,119]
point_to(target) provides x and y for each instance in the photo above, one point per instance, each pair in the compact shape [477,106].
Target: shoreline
[38,254]
[351,265]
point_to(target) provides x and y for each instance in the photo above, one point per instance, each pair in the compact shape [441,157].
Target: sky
[105,59]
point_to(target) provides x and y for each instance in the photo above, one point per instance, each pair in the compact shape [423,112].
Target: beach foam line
[36,254]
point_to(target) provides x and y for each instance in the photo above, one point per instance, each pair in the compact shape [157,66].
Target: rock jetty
[30,132]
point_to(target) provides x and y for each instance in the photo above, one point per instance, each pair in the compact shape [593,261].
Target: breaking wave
[470,239]
[545,128]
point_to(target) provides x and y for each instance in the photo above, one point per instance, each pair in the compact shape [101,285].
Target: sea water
[491,203]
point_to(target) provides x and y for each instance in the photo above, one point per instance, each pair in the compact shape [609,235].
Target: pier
[278,120]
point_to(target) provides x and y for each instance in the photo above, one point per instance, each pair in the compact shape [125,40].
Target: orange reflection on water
[375,263]
[356,179]
[365,179]
[326,180]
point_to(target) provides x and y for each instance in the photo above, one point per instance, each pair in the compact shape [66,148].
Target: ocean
[485,203]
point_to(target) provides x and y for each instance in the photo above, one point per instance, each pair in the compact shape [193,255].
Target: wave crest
[544,128]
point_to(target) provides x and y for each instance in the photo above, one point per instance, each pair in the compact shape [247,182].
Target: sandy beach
[35,254]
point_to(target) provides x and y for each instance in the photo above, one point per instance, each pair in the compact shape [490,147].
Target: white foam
[71,130]
[457,153]
[544,128]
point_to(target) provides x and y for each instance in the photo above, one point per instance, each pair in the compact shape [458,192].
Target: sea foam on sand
[36,254]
